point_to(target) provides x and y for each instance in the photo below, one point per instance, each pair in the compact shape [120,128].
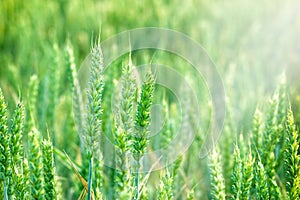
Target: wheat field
[77,124]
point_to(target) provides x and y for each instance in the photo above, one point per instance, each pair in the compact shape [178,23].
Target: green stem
[90,177]
[137,179]
[5,191]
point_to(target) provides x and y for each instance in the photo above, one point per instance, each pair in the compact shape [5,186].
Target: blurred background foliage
[251,43]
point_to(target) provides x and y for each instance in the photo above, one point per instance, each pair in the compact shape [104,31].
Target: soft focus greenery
[48,151]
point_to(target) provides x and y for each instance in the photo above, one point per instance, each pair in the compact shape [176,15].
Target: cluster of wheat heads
[266,166]
[263,165]
[129,131]
[25,173]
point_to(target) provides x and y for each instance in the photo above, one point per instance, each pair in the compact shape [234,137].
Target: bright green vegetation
[54,135]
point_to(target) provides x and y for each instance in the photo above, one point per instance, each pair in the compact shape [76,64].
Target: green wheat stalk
[247,176]
[77,102]
[5,152]
[270,140]
[292,157]
[280,121]
[122,177]
[256,136]
[282,104]
[127,99]
[123,131]
[77,95]
[165,191]
[142,122]
[48,170]
[26,180]
[92,131]
[98,169]
[58,188]
[295,194]
[16,132]
[243,172]
[53,90]
[16,146]
[262,182]
[176,166]
[31,102]
[142,119]
[227,144]
[237,174]
[217,181]
[35,165]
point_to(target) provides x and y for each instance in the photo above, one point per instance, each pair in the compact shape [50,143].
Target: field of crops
[163,99]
